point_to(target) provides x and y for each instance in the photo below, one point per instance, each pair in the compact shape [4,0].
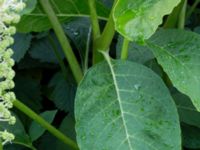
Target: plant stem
[56,52]
[1,146]
[73,63]
[104,41]
[192,8]
[23,108]
[124,52]
[95,29]
[172,19]
[181,22]
[87,51]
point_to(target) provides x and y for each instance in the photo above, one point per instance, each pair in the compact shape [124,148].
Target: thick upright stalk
[31,114]
[73,63]
[95,29]
[103,43]
[124,51]
[182,15]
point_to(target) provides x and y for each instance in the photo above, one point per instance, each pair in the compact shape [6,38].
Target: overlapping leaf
[178,53]
[138,19]
[123,105]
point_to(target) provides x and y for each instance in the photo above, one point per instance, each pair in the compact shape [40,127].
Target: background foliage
[172,54]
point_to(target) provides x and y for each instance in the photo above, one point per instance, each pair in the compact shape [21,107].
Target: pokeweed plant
[122,102]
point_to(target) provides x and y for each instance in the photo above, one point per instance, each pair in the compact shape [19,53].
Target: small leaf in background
[28,91]
[191,136]
[20,47]
[124,105]
[177,51]
[21,137]
[49,142]
[78,30]
[30,6]
[29,63]
[35,130]
[43,50]
[68,128]
[37,21]
[187,112]
[16,147]
[136,53]
[62,92]
[138,20]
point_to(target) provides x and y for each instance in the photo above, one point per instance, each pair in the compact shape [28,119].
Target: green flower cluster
[9,14]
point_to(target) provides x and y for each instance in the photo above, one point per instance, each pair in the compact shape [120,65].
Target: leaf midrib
[118,98]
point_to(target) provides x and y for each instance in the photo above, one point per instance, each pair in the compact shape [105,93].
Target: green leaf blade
[38,21]
[138,20]
[178,54]
[129,109]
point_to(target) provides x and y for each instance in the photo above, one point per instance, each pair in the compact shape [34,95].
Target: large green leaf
[178,53]
[65,9]
[124,105]
[138,19]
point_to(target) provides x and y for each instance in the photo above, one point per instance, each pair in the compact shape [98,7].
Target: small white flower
[9,14]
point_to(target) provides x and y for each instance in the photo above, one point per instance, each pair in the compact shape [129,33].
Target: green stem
[103,43]
[124,52]
[87,51]
[23,108]
[73,63]
[172,19]
[94,18]
[56,52]
[95,29]
[181,22]
[1,146]
[192,8]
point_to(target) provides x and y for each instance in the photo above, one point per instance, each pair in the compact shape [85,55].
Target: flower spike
[9,14]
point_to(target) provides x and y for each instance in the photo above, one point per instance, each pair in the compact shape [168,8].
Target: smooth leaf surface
[66,10]
[138,20]
[35,130]
[177,51]
[124,105]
